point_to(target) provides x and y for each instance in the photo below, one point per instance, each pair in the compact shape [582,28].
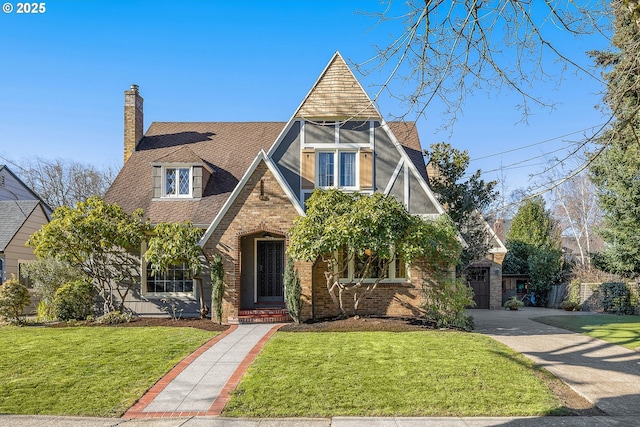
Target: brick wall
[388,299]
[261,206]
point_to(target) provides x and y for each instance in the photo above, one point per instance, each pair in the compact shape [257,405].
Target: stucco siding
[419,202]
[287,158]
[386,158]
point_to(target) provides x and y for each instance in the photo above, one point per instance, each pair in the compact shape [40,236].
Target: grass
[426,373]
[86,371]
[620,330]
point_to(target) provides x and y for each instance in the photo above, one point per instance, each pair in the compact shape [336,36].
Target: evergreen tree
[534,248]
[615,169]
[464,200]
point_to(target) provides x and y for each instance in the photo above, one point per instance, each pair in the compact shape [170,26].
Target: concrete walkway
[201,384]
[605,374]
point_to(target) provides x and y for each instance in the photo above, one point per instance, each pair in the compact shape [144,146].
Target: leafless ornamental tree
[64,183]
[450,48]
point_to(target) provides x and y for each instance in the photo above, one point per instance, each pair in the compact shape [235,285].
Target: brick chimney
[498,228]
[133,123]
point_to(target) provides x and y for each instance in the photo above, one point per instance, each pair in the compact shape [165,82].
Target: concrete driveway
[605,374]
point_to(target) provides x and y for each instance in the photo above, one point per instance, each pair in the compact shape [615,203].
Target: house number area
[25,8]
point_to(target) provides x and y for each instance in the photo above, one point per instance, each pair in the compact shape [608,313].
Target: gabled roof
[229,148]
[47,208]
[261,157]
[337,94]
[13,214]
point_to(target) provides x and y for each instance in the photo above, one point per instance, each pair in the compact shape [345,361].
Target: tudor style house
[245,183]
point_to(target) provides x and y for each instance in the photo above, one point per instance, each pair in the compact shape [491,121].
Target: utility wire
[536,143]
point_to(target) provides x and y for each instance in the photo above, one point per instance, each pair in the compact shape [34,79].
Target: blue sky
[63,73]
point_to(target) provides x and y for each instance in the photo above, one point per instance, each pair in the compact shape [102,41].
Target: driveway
[607,375]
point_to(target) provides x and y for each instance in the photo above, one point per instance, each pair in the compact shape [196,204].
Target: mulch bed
[204,324]
[362,323]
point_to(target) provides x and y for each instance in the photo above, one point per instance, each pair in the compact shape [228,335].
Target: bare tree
[451,48]
[64,183]
[575,206]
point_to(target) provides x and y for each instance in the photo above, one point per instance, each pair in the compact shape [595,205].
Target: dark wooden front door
[478,279]
[269,270]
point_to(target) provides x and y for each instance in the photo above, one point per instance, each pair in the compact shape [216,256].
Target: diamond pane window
[170,180]
[177,182]
[184,182]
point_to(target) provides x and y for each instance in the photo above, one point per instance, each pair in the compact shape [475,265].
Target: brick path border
[137,410]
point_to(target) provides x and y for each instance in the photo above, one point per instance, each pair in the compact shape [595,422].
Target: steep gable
[337,95]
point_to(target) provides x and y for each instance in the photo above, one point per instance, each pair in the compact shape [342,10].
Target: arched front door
[269,268]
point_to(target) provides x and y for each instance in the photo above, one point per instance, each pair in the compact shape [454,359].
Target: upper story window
[336,164]
[177,182]
[337,155]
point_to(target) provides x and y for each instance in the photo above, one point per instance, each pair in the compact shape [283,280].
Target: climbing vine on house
[359,236]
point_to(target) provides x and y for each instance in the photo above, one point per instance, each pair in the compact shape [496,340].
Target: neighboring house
[246,183]
[22,213]
[485,276]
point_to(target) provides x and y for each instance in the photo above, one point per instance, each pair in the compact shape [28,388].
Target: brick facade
[402,298]
[261,206]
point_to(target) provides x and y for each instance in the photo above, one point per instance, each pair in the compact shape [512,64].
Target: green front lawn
[96,371]
[426,373]
[620,330]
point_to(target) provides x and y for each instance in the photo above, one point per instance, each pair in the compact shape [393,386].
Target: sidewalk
[50,421]
[605,374]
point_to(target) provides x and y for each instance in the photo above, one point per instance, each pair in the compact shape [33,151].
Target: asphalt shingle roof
[228,147]
[13,213]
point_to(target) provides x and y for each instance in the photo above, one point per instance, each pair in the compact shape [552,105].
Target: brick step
[264,311]
[243,320]
[263,315]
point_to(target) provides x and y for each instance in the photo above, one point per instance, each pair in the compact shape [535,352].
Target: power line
[536,143]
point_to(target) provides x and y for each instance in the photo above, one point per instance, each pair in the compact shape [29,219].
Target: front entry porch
[261,279]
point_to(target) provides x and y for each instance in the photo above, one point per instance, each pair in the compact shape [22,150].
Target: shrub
[570,306]
[14,297]
[513,303]
[113,318]
[616,298]
[217,285]
[74,301]
[47,276]
[292,291]
[172,307]
[572,300]
[446,301]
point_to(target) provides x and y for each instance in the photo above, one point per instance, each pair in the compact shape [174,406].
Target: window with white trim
[395,271]
[177,182]
[337,168]
[177,279]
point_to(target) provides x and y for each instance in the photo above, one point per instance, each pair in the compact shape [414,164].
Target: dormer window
[177,182]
